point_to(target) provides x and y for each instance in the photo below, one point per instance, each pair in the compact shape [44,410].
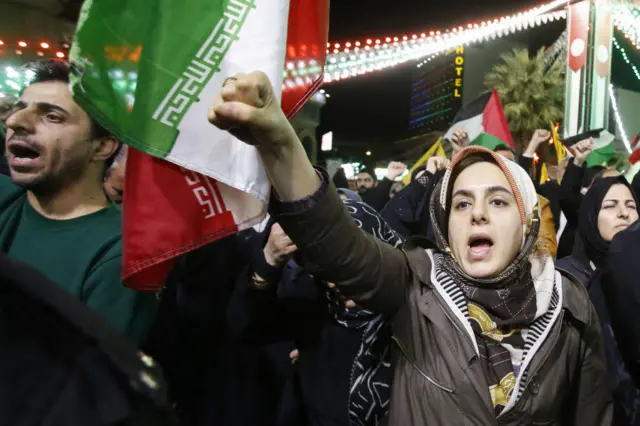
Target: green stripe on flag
[139,65]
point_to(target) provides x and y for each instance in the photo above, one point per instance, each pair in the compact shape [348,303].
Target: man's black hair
[370,172]
[55,70]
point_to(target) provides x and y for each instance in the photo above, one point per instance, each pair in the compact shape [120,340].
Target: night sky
[369,112]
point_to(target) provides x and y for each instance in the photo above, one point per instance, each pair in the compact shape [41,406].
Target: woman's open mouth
[480,247]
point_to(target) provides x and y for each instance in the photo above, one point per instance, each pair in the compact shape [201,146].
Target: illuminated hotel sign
[436,92]
[459,62]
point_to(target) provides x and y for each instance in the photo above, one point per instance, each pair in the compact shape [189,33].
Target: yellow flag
[561,151]
[435,149]
[544,174]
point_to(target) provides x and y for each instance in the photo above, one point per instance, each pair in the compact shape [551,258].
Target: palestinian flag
[603,150]
[489,141]
[148,71]
[483,115]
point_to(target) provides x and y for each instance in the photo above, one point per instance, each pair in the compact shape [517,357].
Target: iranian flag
[483,115]
[148,71]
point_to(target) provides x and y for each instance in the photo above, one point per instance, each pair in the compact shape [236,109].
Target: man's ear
[105,148]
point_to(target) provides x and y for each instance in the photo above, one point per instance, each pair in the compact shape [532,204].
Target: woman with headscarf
[486,332]
[609,207]
[342,373]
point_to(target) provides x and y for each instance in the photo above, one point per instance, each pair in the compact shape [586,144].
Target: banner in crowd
[436,149]
[148,72]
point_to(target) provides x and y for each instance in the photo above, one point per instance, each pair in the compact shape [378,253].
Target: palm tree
[531,91]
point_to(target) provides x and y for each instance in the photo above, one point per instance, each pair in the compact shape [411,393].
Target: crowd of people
[472,296]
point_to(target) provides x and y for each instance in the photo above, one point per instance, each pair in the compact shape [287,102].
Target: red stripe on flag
[167,211]
[494,120]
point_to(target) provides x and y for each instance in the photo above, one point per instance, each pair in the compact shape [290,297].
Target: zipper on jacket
[422,373]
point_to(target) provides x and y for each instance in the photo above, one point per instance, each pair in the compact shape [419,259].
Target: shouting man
[54,214]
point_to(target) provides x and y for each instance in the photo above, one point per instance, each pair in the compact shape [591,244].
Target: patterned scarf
[371,370]
[497,316]
[500,310]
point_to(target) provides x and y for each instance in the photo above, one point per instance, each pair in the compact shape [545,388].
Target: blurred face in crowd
[485,229]
[114,183]
[617,212]
[49,143]
[506,153]
[365,182]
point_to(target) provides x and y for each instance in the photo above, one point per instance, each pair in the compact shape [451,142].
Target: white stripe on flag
[202,147]
[472,125]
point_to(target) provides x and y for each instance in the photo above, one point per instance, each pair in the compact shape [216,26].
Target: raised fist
[395,169]
[247,107]
[582,150]
[459,139]
[436,164]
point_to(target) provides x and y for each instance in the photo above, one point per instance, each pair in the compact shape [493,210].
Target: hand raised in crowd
[582,150]
[459,140]
[248,109]
[539,136]
[395,169]
[437,164]
[279,248]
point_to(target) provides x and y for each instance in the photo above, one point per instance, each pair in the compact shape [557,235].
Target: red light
[369,41]
[357,43]
[44,45]
[22,44]
[1,42]
[347,44]
[388,39]
[60,55]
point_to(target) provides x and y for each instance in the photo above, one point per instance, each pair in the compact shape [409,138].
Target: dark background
[371,111]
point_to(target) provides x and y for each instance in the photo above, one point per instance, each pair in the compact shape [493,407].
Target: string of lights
[347,64]
[616,114]
[626,58]
[627,19]
[351,59]
[42,48]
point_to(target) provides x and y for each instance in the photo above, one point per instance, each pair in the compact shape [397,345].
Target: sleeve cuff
[269,273]
[279,207]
